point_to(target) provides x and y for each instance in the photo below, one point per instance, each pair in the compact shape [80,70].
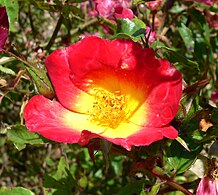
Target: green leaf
[137,2]
[59,6]
[187,37]
[72,9]
[7,70]
[62,181]
[41,81]
[83,182]
[178,158]
[214,116]
[15,191]
[62,169]
[183,143]
[132,188]
[20,136]
[157,45]
[199,19]
[154,190]
[189,105]
[12,9]
[212,133]
[133,29]
[174,56]
[201,49]
[50,182]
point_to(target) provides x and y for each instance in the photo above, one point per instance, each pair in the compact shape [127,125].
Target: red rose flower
[114,90]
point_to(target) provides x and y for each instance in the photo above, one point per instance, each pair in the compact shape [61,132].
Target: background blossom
[4,26]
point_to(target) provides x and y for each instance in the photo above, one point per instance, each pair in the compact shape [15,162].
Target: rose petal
[143,137]
[69,96]
[164,97]
[207,187]
[55,122]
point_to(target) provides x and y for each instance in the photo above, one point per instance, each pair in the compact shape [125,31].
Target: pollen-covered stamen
[109,109]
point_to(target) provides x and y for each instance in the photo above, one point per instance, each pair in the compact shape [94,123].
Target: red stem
[170,182]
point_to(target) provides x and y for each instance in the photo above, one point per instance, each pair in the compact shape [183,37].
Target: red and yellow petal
[56,123]
[69,95]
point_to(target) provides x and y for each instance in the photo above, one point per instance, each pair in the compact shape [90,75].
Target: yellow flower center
[109,109]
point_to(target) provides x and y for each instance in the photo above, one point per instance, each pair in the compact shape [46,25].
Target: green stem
[18,58]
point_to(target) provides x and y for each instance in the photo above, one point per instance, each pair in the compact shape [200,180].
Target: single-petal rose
[4,26]
[114,90]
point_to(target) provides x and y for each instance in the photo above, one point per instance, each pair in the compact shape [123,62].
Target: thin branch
[85,25]
[31,22]
[54,35]
[170,182]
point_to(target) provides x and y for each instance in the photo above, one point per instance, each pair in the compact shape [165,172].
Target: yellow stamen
[109,109]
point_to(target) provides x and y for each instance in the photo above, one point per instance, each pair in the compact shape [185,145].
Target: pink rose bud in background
[150,35]
[154,5]
[214,96]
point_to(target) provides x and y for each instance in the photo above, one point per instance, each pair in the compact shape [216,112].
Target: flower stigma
[109,109]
